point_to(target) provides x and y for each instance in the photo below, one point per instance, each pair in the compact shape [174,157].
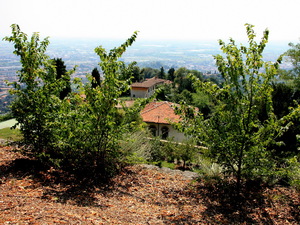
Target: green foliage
[186,151]
[36,90]
[284,97]
[149,72]
[132,72]
[137,146]
[293,55]
[183,81]
[164,93]
[170,151]
[162,74]
[76,132]
[61,73]
[157,153]
[97,120]
[6,116]
[294,172]
[202,101]
[171,74]
[237,139]
[210,171]
[96,79]
[182,89]
[291,173]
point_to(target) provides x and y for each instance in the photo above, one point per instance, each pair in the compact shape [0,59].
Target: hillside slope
[31,194]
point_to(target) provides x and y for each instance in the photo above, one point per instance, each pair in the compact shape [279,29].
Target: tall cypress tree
[162,74]
[61,73]
[171,74]
[96,78]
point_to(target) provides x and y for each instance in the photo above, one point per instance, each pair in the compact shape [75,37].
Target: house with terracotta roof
[146,88]
[159,116]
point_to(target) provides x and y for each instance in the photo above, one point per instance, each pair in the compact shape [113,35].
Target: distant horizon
[147,53]
[155,40]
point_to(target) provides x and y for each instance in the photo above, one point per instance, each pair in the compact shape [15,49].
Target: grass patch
[164,164]
[168,165]
[10,134]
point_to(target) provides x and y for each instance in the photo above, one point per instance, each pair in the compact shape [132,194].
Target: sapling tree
[36,91]
[79,131]
[235,136]
[92,128]
[104,125]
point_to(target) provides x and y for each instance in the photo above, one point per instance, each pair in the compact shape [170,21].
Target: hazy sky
[155,19]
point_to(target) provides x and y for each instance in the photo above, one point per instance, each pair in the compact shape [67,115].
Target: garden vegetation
[82,130]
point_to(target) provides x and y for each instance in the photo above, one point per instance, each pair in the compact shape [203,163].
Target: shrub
[235,135]
[78,133]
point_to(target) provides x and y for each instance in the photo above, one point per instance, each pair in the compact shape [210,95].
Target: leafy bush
[136,146]
[210,170]
[291,173]
[237,138]
[173,152]
[80,131]
[6,116]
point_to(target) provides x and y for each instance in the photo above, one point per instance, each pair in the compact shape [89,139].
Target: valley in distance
[197,55]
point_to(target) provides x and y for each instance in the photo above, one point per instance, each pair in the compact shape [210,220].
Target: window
[164,132]
[153,130]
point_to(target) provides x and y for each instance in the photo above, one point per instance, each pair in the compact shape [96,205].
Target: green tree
[186,96]
[137,74]
[284,97]
[61,73]
[96,79]
[162,74]
[149,72]
[180,75]
[235,136]
[292,77]
[131,72]
[164,93]
[107,127]
[171,74]
[36,91]
[77,133]
[183,81]
[202,101]
[293,55]
[197,74]
[60,67]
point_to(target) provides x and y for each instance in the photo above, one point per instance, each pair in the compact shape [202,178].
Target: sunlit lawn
[10,134]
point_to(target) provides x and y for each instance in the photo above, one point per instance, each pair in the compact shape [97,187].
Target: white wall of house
[143,93]
[172,133]
[138,93]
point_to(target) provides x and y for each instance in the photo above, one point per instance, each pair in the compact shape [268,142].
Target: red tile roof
[149,82]
[160,112]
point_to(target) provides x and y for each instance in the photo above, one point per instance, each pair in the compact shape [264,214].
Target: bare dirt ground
[31,194]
